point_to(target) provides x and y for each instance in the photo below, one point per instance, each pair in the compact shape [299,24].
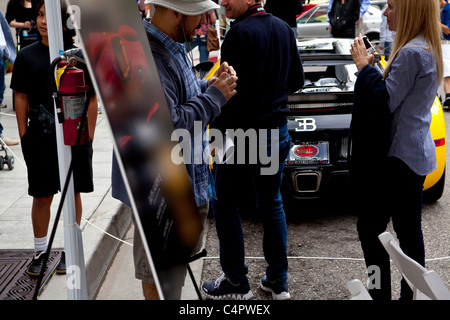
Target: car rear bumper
[315,182]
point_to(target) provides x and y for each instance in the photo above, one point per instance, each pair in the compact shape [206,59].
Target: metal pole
[73,244]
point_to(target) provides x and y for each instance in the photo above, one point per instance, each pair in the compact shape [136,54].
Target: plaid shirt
[201,179]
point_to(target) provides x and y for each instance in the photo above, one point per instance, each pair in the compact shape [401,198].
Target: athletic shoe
[61,267]
[446,105]
[278,288]
[224,289]
[34,269]
[3,105]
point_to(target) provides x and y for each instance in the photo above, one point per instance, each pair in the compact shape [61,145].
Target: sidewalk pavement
[101,213]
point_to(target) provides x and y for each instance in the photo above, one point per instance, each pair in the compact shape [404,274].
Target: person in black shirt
[343,17]
[20,15]
[263,51]
[36,124]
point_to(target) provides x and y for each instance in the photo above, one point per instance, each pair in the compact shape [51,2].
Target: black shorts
[41,157]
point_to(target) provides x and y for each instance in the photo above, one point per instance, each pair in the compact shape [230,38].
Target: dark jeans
[400,198]
[235,185]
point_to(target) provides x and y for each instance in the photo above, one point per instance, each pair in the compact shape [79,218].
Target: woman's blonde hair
[418,17]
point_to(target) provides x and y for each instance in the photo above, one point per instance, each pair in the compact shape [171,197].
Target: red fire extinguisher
[72,101]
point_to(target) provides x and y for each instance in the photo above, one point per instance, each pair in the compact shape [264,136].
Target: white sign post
[73,244]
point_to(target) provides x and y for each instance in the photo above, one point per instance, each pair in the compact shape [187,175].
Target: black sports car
[319,124]
[320,119]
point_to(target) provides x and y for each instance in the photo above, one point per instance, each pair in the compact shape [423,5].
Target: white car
[313,23]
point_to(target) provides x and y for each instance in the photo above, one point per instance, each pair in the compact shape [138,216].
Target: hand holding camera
[362,52]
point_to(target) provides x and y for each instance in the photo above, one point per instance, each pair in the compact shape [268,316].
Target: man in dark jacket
[343,17]
[263,51]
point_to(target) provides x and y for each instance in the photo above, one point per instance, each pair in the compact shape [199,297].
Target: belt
[445,41]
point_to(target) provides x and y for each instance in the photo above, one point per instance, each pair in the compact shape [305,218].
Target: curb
[99,248]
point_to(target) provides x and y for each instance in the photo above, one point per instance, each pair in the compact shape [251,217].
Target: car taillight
[439,142]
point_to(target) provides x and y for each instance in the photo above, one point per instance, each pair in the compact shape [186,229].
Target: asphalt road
[324,250]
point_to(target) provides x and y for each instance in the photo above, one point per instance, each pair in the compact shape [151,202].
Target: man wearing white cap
[189,99]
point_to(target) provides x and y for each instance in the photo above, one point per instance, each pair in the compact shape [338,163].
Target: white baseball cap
[187,7]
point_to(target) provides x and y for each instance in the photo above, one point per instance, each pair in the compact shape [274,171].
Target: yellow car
[435,181]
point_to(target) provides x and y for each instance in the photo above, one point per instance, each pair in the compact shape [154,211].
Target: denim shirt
[412,85]
[198,170]
[8,52]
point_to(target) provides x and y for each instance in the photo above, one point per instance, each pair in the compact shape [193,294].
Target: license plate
[309,153]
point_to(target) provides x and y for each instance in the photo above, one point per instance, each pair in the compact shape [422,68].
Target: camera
[369,47]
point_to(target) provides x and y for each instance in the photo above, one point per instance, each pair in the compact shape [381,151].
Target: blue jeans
[239,186]
[201,43]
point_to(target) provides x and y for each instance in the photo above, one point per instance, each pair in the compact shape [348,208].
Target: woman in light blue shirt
[409,83]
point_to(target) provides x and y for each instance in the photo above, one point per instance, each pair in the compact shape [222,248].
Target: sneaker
[3,105]
[35,267]
[61,267]
[224,289]
[278,288]
[10,142]
[446,105]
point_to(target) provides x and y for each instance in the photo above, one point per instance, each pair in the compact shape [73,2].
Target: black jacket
[370,131]
[263,51]
[343,17]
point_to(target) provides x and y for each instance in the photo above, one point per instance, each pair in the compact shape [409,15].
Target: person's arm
[92,116]
[445,21]
[21,106]
[402,76]
[203,107]
[330,4]
[355,13]
[445,29]
[212,17]
[22,25]
[365,4]
[10,16]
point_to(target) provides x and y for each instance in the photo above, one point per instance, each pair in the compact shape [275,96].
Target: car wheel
[435,192]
